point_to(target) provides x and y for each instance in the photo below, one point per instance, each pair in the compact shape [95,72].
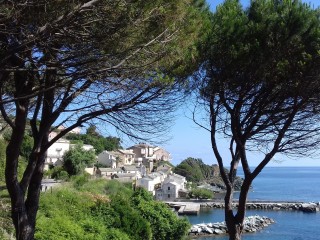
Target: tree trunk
[235,234]
[18,209]
[22,220]
[234,227]
[235,222]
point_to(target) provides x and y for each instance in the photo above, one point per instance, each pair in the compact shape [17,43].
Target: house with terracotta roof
[148,155]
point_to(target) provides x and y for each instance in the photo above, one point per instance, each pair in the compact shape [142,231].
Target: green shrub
[164,223]
[201,193]
[115,234]
[58,173]
[79,180]
[87,213]
[2,160]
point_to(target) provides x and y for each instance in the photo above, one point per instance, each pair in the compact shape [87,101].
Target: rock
[207,230]
[309,207]
[251,224]
[218,231]
[195,229]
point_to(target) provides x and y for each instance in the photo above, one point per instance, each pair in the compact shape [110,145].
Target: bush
[201,193]
[86,213]
[76,159]
[2,159]
[164,223]
[57,173]
[80,180]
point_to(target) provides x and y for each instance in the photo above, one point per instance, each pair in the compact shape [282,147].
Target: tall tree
[77,159]
[261,88]
[72,62]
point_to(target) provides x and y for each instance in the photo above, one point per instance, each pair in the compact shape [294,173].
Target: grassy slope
[100,209]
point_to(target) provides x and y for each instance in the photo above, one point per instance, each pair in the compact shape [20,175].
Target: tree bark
[235,222]
[18,209]
[234,227]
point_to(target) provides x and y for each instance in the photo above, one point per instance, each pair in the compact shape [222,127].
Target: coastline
[251,224]
[310,207]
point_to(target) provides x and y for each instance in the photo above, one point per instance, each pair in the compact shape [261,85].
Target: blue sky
[191,141]
[214,3]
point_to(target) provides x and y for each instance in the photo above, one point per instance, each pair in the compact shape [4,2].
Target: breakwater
[250,224]
[298,206]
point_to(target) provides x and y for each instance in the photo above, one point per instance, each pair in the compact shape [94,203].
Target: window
[168,195]
[168,188]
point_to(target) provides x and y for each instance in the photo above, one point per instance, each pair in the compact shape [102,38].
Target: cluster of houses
[143,165]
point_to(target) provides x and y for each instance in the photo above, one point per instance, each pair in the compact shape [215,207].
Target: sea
[278,184]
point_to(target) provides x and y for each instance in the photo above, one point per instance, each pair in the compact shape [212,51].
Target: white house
[170,187]
[146,183]
[56,151]
[180,180]
[169,191]
[151,182]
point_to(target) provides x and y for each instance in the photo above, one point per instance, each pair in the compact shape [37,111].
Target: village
[142,164]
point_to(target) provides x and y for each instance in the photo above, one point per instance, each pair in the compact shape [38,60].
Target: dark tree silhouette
[261,89]
[72,62]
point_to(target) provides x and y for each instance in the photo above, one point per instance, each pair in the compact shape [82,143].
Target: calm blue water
[279,183]
[287,183]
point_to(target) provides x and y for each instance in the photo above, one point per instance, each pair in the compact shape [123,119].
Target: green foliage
[164,223]
[26,146]
[110,187]
[92,131]
[27,143]
[6,226]
[131,221]
[69,212]
[250,47]
[87,214]
[201,193]
[3,146]
[194,170]
[57,173]
[21,167]
[93,138]
[115,234]
[76,159]
[79,180]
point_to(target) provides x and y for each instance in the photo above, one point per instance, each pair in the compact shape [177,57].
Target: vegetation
[77,159]
[194,170]
[261,89]
[82,62]
[3,146]
[197,172]
[201,193]
[95,139]
[87,213]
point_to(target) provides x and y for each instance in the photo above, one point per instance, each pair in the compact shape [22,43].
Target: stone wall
[298,206]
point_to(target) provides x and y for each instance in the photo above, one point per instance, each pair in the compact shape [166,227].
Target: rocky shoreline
[297,206]
[251,224]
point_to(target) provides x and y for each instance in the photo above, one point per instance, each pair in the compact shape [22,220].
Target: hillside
[200,173]
[100,210]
